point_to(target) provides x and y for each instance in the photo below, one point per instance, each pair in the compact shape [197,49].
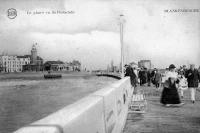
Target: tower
[34,54]
[112,66]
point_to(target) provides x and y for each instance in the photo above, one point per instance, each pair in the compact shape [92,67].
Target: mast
[122,21]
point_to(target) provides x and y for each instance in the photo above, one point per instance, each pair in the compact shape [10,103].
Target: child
[183,85]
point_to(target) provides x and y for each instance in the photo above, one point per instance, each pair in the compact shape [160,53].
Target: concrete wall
[103,111]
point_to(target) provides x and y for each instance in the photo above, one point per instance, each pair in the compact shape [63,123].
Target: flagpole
[122,45]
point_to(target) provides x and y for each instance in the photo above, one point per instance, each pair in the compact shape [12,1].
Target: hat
[172,66]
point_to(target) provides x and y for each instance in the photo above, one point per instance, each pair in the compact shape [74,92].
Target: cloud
[94,50]
[91,34]
[86,17]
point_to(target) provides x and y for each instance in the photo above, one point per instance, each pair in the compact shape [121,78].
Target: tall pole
[122,45]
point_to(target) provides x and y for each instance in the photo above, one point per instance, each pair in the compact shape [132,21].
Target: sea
[25,98]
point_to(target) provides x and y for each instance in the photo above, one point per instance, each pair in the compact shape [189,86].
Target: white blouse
[170,74]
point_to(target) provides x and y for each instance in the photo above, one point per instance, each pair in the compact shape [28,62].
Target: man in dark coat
[157,79]
[184,70]
[143,76]
[153,76]
[193,79]
[129,72]
[149,77]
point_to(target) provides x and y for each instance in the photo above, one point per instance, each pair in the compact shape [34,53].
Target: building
[36,62]
[68,66]
[54,65]
[76,65]
[61,66]
[13,63]
[145,63]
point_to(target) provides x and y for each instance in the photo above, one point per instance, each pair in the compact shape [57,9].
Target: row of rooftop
[33,62]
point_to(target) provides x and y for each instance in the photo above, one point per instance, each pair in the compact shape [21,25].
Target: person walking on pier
[193,79]
[170,94]
[135,71]
[157,78]
[143,76]
[183,84]
[153,73]
[129,72]
[149,77]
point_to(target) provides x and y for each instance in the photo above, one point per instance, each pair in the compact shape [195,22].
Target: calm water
[25,100]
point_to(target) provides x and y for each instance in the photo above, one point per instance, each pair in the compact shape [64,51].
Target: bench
[137,104]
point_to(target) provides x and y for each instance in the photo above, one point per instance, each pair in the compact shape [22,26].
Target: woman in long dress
[170,95]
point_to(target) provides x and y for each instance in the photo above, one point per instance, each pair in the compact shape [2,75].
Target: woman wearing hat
[170,94]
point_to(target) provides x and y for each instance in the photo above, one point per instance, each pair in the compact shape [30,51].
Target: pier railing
[110,74]
[103,111]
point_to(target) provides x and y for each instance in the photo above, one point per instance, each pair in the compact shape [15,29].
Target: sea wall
[103,111]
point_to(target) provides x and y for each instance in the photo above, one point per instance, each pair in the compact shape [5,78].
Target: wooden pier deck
[161,119]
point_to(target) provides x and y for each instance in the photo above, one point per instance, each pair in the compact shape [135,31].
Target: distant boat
[52,76]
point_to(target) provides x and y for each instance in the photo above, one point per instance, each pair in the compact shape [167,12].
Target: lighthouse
[34,54]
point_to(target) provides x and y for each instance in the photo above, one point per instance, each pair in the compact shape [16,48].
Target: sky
[90,33]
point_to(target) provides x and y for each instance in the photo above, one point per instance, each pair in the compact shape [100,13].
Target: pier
[106,111]
[161,119]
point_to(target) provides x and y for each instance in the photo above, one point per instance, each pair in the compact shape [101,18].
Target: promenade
[161,119]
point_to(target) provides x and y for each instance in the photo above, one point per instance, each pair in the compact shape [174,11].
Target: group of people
[181,80]
[142,76]
[173,81]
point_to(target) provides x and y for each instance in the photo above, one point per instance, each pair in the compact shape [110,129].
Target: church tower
[34,54]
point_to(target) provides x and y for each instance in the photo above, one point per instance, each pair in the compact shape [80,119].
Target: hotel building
[13,63]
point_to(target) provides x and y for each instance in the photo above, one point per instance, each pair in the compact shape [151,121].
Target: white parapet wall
[103,111]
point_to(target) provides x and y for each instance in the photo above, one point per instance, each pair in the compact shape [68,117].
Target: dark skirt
[133,81]
[170,96]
